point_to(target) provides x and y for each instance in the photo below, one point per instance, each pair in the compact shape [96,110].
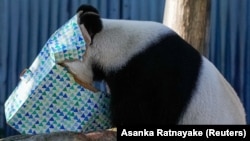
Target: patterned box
[47,99]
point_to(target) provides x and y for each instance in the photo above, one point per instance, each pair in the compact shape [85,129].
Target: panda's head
[113,42]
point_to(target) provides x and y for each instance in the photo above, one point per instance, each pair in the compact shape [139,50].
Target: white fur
[214,100]
[122,39]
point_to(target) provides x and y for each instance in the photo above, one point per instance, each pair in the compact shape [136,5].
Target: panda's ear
[89,19]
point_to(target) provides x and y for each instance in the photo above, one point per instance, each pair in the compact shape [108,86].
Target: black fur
[155,86]
[87,8]
[91,21]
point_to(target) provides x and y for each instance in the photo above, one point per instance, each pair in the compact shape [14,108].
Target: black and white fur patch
[155,77]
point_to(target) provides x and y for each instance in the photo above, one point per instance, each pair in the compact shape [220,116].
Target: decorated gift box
[47,98]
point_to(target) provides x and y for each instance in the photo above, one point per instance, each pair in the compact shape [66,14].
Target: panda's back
[120,40]
[214,100]
[157,78]
[146,31]
[155,85]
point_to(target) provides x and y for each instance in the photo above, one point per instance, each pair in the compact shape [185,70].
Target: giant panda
[153,75]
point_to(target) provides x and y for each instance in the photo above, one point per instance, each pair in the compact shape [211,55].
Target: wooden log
[66,136]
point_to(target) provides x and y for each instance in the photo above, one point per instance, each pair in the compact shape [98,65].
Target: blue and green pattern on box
[47,99]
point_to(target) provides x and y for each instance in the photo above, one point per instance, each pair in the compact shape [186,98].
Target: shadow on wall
[1,133]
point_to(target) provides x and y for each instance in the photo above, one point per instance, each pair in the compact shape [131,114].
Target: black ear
[89,16]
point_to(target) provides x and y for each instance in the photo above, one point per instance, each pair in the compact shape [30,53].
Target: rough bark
[189,18]
[66,136]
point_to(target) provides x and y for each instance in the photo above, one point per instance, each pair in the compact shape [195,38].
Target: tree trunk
[189,18]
